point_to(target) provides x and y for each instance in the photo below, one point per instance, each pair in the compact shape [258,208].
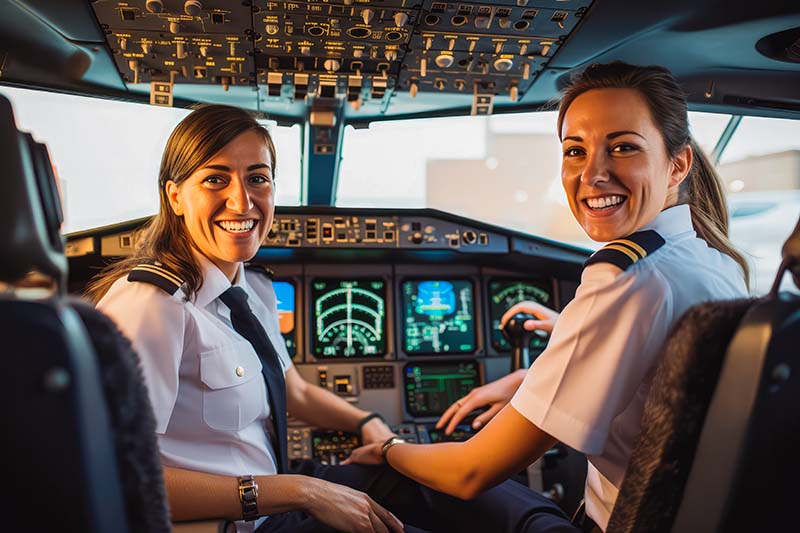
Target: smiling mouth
[605,203]
[237,226]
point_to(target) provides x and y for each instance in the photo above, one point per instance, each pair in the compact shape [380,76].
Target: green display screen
[507,292]
[349,318]
[438,317]
[430,388]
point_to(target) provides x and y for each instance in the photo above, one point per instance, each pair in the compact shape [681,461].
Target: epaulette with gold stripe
[261,269]
[155,273]
[625,252]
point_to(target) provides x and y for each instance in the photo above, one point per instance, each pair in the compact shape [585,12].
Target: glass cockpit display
[349,318]
[284,296]
[430,388]
[507,292]
[438,317]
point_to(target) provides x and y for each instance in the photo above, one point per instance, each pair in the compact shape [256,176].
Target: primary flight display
[438,316]
[349,318]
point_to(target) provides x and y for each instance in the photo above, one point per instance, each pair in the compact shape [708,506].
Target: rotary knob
[193,8]
[154,6]
[444,61]
[400,19]
[503,64]
[332,65]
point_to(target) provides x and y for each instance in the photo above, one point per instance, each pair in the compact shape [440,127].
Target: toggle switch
[413,89]
[526,71]
[400,19]
[513,93]
[423,67]
[367,15]
[174,28]
[204,51]
[180,50]
[390,55]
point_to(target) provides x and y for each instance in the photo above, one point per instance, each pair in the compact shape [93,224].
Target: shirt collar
[215,282]
[672,221]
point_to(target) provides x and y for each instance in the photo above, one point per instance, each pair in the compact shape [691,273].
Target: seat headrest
[30,209]
[791,256]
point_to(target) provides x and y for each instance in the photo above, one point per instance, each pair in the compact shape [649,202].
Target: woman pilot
[634,178]
[202,326]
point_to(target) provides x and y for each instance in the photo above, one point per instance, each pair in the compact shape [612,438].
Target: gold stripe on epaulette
[161,272]
[641,251]
[622,249]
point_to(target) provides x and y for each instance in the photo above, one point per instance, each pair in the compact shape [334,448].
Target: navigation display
[438,317]
[284,295]
[349,318]
[507,292]
[430,388]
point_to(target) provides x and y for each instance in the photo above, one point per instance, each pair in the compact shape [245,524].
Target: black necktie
[247,325]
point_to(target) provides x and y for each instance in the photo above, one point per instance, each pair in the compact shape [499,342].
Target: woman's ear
[171,188]
[681,165]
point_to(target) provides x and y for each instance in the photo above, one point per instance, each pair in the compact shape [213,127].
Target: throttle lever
[520,339]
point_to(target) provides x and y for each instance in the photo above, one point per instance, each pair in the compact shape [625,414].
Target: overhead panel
[355,51]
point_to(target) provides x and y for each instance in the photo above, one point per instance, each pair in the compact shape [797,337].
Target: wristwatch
[392,441]
[248,496]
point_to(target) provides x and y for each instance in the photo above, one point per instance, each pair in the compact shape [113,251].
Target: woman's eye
[213,180]
[621,148]
[260,179]
[572,152]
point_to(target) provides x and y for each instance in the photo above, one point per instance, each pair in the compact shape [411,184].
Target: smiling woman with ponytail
[636,180]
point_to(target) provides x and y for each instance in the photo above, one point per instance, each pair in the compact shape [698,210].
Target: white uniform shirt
[588,388]
[209,418]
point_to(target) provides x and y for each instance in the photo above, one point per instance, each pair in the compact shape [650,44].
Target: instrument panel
[352,318]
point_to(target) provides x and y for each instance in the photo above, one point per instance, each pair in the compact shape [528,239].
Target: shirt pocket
[235,394]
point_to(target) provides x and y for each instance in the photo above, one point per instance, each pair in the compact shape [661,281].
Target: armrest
[201,526]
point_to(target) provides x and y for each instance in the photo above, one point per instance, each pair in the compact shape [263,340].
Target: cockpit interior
[394,307]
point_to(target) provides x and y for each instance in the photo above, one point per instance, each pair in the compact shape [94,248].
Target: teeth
[237,227]
[605,201]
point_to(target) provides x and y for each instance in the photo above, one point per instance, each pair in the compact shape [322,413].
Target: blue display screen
[438,316]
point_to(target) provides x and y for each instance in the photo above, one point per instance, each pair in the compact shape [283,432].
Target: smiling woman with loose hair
[635,179]
[193,142]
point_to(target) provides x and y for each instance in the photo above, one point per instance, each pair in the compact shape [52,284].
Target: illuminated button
[239,371]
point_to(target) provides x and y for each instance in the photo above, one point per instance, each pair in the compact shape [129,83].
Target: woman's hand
[375,430]
[495,395]
[346,509]
[369,454]
[545,317]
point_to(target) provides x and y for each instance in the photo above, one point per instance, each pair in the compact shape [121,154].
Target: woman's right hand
[497,394]
[545,317]
[346,509]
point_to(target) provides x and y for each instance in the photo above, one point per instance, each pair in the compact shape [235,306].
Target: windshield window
[107,153]
[761,170]
[503,169]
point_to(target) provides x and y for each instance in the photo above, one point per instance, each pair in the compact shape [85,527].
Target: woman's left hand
[375,430]
[366,455]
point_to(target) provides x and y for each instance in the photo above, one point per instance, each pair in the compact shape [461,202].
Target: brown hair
[702,189]
[195,140]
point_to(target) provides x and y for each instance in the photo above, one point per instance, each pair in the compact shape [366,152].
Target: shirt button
[239,371]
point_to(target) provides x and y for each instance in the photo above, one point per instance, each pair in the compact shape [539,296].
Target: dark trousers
[508,507]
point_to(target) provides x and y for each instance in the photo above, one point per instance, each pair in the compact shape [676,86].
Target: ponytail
[703,191]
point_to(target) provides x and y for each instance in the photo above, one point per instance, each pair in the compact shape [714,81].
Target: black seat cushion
[673,418]
[131,417]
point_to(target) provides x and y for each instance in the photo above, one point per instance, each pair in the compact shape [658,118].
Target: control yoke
[520,339]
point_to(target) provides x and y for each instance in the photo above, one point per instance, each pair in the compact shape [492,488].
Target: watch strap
[248,496]
[391,441]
